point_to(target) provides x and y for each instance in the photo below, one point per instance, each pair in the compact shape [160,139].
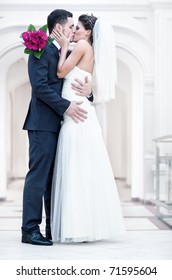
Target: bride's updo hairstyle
[88,22]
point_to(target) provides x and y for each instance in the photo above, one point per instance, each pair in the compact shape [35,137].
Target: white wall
[119,124]
[142,109]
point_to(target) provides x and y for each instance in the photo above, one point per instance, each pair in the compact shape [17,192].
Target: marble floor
[146,237]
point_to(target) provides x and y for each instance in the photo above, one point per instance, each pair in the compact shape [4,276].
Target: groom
[42,122]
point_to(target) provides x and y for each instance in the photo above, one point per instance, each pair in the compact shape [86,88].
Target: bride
[85,205]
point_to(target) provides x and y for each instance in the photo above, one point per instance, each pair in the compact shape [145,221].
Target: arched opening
[17,99]
[125,123]
[119,129]
[17,148]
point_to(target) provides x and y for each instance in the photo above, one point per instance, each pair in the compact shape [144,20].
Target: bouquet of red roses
[36,40]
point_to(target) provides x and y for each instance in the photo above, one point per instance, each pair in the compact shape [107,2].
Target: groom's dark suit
[43,124]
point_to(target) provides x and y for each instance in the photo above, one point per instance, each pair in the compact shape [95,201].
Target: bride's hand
[61,39]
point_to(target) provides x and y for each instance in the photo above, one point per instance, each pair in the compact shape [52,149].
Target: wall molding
[76,7]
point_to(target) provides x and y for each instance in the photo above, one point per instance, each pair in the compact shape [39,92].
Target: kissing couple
[69,168]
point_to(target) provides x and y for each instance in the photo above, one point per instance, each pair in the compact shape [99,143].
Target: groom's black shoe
[36,238]
[48,236]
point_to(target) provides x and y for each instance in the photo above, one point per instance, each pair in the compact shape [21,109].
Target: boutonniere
[36,40]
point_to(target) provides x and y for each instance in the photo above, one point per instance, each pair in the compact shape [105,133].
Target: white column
[137,170]
[163,67]
[3,175]
[149,134]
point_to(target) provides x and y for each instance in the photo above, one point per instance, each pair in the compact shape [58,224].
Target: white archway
[135,151]
[8,57]
[135,53]
[119,126]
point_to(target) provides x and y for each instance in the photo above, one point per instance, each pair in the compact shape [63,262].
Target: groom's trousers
[38,181]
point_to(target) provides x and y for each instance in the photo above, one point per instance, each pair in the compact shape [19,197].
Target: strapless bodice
[75,73]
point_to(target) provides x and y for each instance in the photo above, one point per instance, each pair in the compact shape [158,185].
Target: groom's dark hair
[57,16]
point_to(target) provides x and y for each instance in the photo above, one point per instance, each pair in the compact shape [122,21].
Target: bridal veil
[105,68]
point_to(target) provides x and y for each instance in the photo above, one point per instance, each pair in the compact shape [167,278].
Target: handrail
[167,203]
[165,138]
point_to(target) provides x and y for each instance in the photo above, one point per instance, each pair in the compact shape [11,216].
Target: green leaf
[38,54]
[44,28]
[31,28]
[50,40]
[27,51]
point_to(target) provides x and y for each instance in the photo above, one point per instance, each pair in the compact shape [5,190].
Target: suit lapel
[55,50]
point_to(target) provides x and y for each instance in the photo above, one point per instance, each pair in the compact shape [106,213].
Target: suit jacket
[46,107]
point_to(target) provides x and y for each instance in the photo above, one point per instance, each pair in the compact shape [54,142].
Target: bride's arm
[66,64]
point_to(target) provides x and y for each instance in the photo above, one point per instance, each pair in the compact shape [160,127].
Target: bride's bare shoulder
[83,44]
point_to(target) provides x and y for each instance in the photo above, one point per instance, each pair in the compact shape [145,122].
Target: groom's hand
[76,112]
[82,88]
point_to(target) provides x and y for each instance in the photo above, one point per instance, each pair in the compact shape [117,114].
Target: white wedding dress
[85,202]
